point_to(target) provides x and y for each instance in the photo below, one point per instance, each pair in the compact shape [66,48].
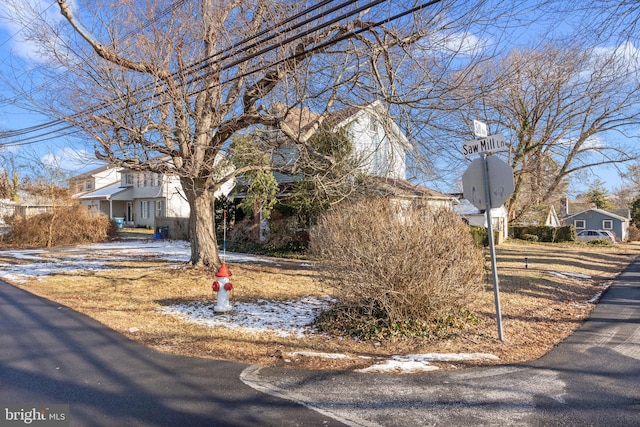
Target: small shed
[476,217]
[599,219]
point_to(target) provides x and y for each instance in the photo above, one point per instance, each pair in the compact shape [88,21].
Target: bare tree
[562,110]
[177,80]
[10,178]
[47,184]
[599,21]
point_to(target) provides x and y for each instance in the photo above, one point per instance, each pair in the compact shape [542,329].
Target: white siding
[376,153]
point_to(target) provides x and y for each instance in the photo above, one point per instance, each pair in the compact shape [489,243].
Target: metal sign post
[224,235]
[497,179]
[492,247]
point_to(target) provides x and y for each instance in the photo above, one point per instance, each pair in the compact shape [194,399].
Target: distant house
[586,216]
[378,150]
[378,153]
[407,193]
[478,218]
[137,198]
[600,219]
[404,195]
[552,219]
[539,215]
[22,209]
[378,143]
[94,179]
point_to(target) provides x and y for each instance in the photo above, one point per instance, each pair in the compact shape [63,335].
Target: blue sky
[18,57]
[76,156]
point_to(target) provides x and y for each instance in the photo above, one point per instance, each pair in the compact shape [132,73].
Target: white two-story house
[378,150]
[378,145]
[136,198]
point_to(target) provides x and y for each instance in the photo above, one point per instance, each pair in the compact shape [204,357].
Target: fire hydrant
[224,288]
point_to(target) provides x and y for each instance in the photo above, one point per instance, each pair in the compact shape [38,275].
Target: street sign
[484,145]
[487,183]
[480,129]
[500,182]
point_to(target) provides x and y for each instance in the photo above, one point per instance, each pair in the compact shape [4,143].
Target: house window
[579,224]
[128,179]
[373,125]
[607,224]
[159,208]
[144,209]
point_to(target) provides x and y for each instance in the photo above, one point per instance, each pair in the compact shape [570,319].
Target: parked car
[588,235]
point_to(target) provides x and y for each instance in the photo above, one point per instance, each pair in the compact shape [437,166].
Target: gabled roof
[538,215]
[304,119]
[576,207]
[600,211]
[552,218]
[301,120]
[376,109]
[623,212]
[91,173]
[395,187]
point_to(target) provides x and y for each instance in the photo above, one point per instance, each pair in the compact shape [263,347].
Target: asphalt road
[50,354]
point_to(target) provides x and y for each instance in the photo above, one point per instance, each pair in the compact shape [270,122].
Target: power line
[316,48]
[39,15]
[130,33]
[105,104]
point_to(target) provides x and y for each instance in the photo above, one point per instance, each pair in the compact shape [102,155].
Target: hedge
[545,233]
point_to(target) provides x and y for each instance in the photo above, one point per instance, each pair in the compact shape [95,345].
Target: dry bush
[410,271]
[66,225]
[634,233]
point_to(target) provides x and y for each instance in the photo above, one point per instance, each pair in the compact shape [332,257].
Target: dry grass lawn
[539,308]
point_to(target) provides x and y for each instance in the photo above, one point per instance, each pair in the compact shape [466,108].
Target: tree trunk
[204,246]
[54,218]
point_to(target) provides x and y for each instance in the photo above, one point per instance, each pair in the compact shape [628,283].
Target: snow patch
[420,362]
[284,318]
[568,275]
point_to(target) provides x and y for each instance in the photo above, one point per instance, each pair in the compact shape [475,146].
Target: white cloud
[71,159]
[627,52]
[461,43]
[18,17]
[458,44]
[622,60]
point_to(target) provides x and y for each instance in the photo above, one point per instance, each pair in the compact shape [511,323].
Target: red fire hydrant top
[223,271]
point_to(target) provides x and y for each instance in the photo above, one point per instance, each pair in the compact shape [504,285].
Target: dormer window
[129,179]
